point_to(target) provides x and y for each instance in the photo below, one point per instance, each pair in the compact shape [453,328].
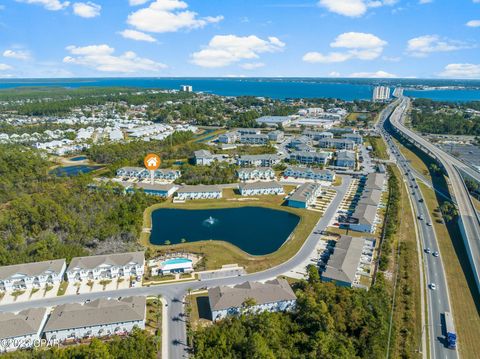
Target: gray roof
[310,154]
[254,169]
[203,154]
[375,181]
[97,312]
[336,140]
[232,297]
[154,187]
[116,259]
[256,135]
[344,262]
[371,197]
[304,192]
[137,169]
[32,269]
[26,322]
[365,214]
[259,157]
[260,185]
[273,119]
[345,155]
[309,169]
[199,188]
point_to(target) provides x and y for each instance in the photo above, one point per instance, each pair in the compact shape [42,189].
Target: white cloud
[4,67]
[461,71]
[53,5]
[137,35]
[353,8]
[422,2]
[252,65]
[137,2]
[473,23]
[359,45]
[377,74]
[224,50]
[87,10]
[423,45]
[334,74]
[168,16]
[316,57]
[102,58]
[17,54]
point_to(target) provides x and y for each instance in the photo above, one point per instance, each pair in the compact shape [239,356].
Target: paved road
[469,222]
[438,299]
[174,293]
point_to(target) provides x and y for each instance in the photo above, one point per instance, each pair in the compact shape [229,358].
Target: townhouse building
[98,318]
[260,188]
[255,173]
[273,296]
[106,266]
[27,276]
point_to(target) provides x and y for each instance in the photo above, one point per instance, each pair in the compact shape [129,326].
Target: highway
[174,293]
[438,300]
[469,221]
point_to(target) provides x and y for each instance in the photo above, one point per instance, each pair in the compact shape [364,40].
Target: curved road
[468,216]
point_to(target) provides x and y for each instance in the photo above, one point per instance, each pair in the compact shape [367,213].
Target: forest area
[44,217]
[328,322]
[445,117]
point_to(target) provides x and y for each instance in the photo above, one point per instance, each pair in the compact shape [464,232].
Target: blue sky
[319,38]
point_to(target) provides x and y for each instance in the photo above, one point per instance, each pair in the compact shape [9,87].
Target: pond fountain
[255,230]
[210,221]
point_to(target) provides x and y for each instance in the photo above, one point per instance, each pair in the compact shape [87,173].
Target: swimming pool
[176,261]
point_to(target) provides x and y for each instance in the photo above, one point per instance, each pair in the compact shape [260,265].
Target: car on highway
[429,224]
[420,217]
[435,254]
[427,250]
[433,286]
[420,200]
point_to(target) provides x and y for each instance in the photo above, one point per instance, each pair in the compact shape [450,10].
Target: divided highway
[438,301]
[469,222]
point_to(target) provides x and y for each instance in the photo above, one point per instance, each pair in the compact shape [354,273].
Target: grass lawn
[153,321]
[467,319]
[218,253]
[201,314]
[62,288]
[379,147]
[407,312]
[416,162]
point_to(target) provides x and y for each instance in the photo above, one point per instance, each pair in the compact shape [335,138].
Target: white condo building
[21,330]
[101,317]
[381,93]
[107,266]
[273,296]
[31,275]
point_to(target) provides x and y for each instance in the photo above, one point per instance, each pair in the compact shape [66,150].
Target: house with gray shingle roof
[21,330]
[343,265]
[101,317]
[106,266]
[273,296]
[31,275]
